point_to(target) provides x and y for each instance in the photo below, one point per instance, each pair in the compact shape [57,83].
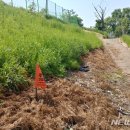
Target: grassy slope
[28,38]
[126,39]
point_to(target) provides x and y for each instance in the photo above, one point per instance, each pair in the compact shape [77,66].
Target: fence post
[46,7]
[26,4]
[38,5]
[68,16]
[55,11]
[12,2]
[62,11]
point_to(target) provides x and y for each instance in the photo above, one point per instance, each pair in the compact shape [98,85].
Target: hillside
[28,38]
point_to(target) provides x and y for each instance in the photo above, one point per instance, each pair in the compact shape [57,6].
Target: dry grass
[66,103]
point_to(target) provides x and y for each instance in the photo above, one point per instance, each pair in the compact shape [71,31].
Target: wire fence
[47,7]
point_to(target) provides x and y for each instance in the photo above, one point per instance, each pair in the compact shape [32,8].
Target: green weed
[126,39]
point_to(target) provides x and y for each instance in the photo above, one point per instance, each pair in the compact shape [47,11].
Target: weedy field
[126,39]
[28,38]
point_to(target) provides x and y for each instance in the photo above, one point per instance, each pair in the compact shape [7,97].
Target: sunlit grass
[126,39]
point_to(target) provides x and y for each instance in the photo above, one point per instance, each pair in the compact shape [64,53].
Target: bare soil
[81,101]
[120,53]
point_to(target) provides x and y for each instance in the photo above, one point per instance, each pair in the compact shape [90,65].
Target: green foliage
[118,31]
[119,22]
[126,39]
[71,17]
[73,64]
[99,25]
[29,38]
[13,76]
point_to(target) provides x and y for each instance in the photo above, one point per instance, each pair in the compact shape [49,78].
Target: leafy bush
[118,31]
[30,39]
[12,76]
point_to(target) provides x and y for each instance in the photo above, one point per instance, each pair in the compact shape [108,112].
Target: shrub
[13,76]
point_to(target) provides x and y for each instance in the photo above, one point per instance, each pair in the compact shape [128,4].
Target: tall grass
[126,39]
[29,38]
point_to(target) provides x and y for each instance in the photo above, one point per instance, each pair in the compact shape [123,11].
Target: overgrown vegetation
[28,38]
[126,39]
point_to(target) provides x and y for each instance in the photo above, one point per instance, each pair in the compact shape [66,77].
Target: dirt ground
[81,101]
[120,53]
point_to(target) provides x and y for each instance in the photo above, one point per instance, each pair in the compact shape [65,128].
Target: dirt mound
[78,102]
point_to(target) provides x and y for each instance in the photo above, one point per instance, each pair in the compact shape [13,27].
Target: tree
[117,14]
[119,22]
[110,24]
[100,13]
[126,13]
[118,31]
[125,23]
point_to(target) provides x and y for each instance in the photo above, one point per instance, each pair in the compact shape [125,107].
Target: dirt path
[120,53]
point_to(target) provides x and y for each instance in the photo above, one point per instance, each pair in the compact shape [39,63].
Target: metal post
[55,11]
[38,5]
[62,11]
[68,16]
[46,7]
[26,4]
[12,2]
